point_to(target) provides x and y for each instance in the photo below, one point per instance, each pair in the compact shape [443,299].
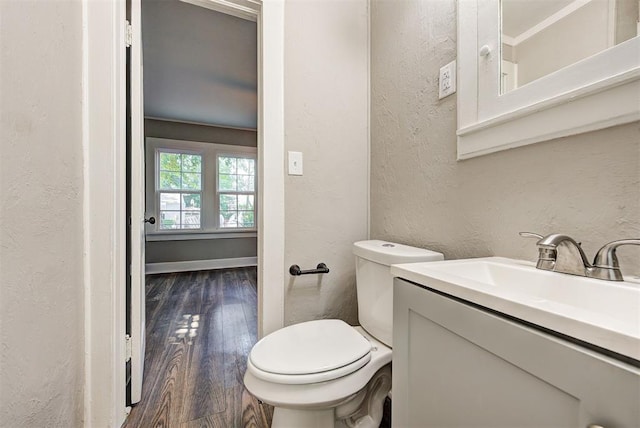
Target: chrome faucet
[606,261]
[561,253]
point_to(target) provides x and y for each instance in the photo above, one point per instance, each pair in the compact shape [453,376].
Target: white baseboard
[191,265]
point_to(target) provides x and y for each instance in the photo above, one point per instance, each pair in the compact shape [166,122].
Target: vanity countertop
[605,314]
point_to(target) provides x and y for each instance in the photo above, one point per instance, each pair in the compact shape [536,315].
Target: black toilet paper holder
[296,271]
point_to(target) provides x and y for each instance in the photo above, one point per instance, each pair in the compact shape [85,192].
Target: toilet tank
[375,283]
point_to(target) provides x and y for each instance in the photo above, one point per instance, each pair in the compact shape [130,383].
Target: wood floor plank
[252,412]
[200,328]
[235,336]
[184,339]
[168,353]
[170,398]
[211,421]
[206,369]
[157,356]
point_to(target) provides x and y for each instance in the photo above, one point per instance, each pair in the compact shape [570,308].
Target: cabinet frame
[607,390]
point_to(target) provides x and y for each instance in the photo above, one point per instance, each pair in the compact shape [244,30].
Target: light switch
[295,163]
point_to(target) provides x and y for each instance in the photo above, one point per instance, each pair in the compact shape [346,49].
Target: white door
[137,208]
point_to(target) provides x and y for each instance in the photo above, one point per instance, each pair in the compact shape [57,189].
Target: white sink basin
[603,313]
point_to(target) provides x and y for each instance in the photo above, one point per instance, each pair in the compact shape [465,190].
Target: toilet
[326,373]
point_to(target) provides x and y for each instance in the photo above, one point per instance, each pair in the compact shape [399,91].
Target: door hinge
[128,34]
[127,347]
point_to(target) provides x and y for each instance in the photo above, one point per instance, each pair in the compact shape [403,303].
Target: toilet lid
[310,347]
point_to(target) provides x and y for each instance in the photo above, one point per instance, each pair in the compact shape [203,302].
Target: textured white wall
[587,186]
[326,89]
[41,293]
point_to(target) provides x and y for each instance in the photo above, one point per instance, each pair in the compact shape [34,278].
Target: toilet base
[362,410]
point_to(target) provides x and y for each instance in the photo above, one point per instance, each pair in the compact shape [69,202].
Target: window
[236,191]
[196,189]
[180,190]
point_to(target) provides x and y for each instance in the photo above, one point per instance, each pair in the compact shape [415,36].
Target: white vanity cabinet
[459,365]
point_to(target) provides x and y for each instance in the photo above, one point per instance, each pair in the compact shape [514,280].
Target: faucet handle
[546,256]
[531,235]
[606,256]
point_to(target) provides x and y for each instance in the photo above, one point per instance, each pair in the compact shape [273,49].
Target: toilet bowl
[303,404]
[326,373]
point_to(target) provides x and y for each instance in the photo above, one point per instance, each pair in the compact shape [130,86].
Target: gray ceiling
[199,65]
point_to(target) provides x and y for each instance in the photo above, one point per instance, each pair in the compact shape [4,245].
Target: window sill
[200,234]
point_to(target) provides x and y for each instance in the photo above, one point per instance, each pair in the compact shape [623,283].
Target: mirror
[583,76]
[543,36]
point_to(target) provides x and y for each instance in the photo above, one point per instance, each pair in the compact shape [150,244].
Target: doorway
[104,194]
[200,109]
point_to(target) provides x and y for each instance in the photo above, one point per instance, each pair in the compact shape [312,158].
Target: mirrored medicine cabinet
[534,70]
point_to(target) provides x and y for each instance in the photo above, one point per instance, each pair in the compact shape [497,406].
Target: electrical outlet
[447,81]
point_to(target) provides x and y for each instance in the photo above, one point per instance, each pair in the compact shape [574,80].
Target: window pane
[236,174]
[169,201]
[246,219]
[191,201]
[228,219]
[191,181]
[245,183]
[228,203]
[226,165]
[180,171]
[169,161]
[169,180]
[245,202]
[227,182]
[169,219]
[191,163]
[191,219]
[244,166]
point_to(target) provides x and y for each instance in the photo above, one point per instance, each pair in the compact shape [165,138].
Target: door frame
[136,198]
[104,192]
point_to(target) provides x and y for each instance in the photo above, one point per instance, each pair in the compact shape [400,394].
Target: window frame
[209,210]
[254,193]
[159,191]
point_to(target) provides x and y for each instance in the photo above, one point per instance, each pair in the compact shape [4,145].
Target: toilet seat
[309,352]
[304,379]
[321,394]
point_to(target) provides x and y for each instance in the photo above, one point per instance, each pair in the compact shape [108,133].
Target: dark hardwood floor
[200,329]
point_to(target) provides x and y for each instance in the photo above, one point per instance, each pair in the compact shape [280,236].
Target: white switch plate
[295,163]
[447,80]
